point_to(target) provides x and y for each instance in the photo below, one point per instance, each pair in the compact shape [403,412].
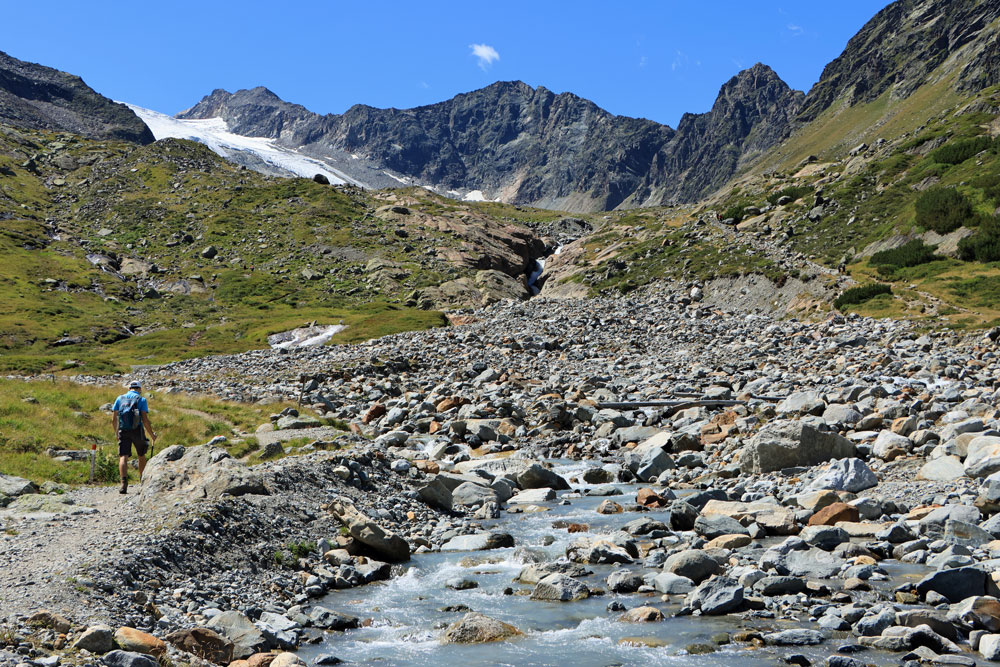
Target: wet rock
[475,628]
[800,637]
[955,584]
[669,583]
[642,615]
[624,581]
[716,596]
[560,588]
[535,476]
[532,574]
[777,585]
[479,542]
[692,564]
[714,525]
[824,537]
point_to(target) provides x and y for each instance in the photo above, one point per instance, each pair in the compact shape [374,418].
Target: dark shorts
[134,437]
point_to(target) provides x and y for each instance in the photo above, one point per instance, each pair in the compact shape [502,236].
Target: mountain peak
[38,97]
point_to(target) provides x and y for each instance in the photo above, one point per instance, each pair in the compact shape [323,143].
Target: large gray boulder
[718,595]
[694,564]
[96,639]
[784,444]
[479,542]
[196,473]
[535,477]
[384,543]
[558,587]
[16,486]
[128,659]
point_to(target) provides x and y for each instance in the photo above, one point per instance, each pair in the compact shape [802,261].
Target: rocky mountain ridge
[41,98]
[531,146]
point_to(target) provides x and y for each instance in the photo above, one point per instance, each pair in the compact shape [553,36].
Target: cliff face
[41,98]
[900,48]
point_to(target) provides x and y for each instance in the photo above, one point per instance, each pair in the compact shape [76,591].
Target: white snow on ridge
[214,133]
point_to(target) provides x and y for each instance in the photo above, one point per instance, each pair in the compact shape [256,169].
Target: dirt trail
[40,554]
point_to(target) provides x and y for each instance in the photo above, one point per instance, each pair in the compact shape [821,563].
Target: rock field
[766,471]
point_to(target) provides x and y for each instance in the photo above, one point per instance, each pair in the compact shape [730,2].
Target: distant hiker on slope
[129,415]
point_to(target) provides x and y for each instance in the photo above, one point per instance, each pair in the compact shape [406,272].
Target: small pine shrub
[793,191]
[990,185]
[984,245]
[957,152]
[860,294]
[944,210]
[914,253]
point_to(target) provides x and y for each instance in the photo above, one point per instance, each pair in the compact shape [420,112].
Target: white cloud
[795,29]
[485,54]
[642,61]
[680,61]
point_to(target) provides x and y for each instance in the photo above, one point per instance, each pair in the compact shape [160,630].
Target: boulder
[715,525]
[831,514]
[52,621]
[889,445]
[846,475]
[942,469]
[204,643]
[716,596]
[471,494]
[643,614]
[96,639]
[984,456]
[669,583]
[778,585]
[824,537]
[558,587]
[693,564]
[801,637]
[989,646]
[597,551]
[128,659]
[802,402]
[783,444]
[16,486]
[981,612]
[813,563]
[532,574]
[246,637]
[535,476]
[188,474]
[137,641]
[479,542]
[287,659]
[327,619]
[385,543]
[436,494]
[474,628]
[624,581]
[533,496]
[955,584]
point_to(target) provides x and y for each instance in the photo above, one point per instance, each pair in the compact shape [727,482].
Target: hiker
[129,415]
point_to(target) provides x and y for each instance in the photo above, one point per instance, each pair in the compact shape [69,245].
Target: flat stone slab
[284,435]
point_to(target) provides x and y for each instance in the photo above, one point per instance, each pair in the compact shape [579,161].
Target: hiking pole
[93,456]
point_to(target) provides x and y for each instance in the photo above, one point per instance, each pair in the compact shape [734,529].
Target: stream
[407,618]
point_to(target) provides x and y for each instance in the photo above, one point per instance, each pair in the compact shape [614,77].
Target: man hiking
[129,415]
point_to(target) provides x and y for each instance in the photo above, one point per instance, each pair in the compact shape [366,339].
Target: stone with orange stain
[373,413]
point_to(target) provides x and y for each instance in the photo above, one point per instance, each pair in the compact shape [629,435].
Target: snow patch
[304,337]
[214,133]
[474,195]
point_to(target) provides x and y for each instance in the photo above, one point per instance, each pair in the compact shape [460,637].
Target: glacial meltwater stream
[407,613]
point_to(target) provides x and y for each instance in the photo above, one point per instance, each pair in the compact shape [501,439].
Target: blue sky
[647,59]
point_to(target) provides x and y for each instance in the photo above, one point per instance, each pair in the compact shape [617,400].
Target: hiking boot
[124,488]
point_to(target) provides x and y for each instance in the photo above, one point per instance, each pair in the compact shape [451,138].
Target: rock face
[785,444]
[531,146]
[196,473]
[41,98]
[246,637]
[900,48]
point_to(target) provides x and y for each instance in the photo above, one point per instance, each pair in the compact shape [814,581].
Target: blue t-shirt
[143,408]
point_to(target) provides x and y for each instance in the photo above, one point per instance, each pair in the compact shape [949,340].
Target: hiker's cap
[135,384]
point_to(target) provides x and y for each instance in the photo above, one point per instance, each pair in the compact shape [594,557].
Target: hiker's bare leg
[142,466]
[123,467]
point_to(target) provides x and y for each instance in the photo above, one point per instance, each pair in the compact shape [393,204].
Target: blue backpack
[128,412]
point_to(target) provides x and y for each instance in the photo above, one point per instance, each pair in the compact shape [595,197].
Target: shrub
[956,152]
[734,212]
[944,210]
[984,245]
[990,185]
[914,253]
[861,294]
[793,191]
